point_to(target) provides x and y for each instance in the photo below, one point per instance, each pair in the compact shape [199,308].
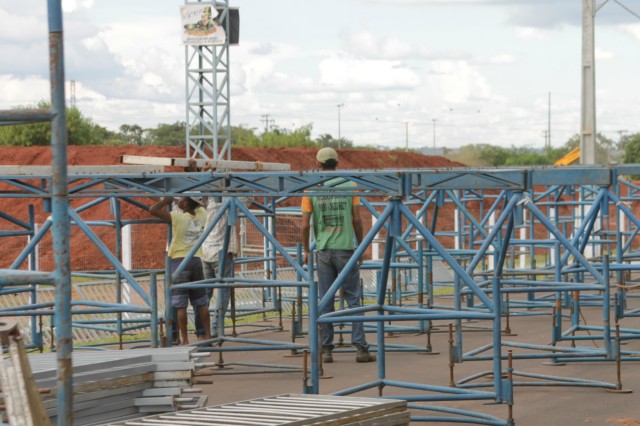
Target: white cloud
[500,59]
[279,82]
[23,91]
[69,6]
[603,55]
[458,82]
[531,33]
[21,28]
[632,29]
[372,46]
[344,73]
[149,55]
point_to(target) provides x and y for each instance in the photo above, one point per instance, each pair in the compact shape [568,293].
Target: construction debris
[114,385]
[20,393]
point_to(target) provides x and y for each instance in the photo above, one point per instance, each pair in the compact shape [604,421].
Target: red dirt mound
[298,158]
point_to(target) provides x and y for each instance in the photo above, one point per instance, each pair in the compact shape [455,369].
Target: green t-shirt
[332,220]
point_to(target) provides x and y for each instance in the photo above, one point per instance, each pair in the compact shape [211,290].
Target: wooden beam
[216,164]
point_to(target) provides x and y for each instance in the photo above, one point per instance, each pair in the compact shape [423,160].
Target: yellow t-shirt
[186,229]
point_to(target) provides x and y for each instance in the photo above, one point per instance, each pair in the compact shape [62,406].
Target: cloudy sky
[482,69]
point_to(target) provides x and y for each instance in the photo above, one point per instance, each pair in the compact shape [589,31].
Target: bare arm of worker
[306,232]
[192,166]
[208,167]
[357,226]
[159,210]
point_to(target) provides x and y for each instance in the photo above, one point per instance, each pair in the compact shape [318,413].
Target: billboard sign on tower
[200,25]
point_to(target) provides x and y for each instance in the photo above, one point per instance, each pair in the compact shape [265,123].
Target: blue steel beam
[13,117]
[401,182]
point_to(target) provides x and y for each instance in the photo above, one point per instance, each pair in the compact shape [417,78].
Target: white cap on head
[325,154]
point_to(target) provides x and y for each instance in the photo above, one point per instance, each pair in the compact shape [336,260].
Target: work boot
[363,355]
[327,356]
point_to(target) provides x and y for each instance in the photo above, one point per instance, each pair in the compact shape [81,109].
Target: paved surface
[548,405]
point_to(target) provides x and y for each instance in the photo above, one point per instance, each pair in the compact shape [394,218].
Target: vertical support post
[492,223]
[153,291]
[375,246]
[36,338]
[553,218]
[314,346]
[606,304]
[523,248]
[169,320]
[115,210]
[127,263]
[60,213]
[456,229]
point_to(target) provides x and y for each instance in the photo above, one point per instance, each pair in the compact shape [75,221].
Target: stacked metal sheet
[289,410]
[116,385]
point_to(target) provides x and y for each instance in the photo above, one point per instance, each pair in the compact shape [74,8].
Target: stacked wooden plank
[289,410]
[117,385]
[21,396]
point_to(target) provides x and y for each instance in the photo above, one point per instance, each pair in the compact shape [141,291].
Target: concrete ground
[539,405]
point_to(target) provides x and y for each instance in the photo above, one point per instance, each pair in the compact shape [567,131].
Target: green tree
[243,136]
[277,137]
[472,155]
[526,156]
[80,129]
[167,134]
[328,140]
[132,133]
[493,155]
[632,149]
[107,137]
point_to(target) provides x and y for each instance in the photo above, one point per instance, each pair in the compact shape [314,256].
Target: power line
[627,9]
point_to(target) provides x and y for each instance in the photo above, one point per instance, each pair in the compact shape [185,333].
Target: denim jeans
[212,270]
[330,264]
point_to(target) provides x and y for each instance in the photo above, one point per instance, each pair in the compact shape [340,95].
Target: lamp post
[406,124]
[339,135]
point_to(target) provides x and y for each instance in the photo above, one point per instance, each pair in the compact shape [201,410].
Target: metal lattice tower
[208,110]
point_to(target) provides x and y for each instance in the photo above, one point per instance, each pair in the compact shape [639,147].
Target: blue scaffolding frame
[573,279]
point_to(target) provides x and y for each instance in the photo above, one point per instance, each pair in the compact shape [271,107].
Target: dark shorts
[192,272]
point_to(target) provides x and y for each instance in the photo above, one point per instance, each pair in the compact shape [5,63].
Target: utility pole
[549,123]
[545,134]
[339,134]
[588,104]
[434,136]
[267,121]
[72,94]
[406,149]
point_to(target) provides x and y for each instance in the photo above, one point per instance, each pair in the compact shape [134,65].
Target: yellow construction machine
[570,158]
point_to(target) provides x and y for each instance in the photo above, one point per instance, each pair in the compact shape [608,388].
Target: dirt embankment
[298,158]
